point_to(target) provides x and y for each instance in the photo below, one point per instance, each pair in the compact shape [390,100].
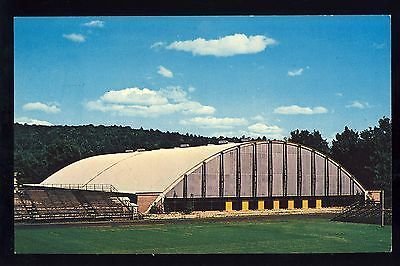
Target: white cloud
[261,128]
[191,89]
[358,105]
[38,106]
[94,24]
[148,103]
[31,121]
[132,110]
[258,118]
[378,45]
[134,96]
[165,72]
[214,122]
[157,45]
[196,108]
[225,46]
[295,72]
[180,99]
[298,110]
[339,94]
[74,37]
[175,93]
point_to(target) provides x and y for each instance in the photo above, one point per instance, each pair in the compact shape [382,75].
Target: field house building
[231,176]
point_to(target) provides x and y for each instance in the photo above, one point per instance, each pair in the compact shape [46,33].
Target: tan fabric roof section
[148,171]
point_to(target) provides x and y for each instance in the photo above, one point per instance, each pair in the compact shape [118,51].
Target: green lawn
[261,236]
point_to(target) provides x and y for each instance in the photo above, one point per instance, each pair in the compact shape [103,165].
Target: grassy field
[261,236]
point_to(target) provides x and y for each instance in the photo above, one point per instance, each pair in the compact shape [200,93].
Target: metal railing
[96,187]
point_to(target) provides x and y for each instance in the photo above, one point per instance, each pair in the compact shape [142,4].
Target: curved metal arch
[250,143]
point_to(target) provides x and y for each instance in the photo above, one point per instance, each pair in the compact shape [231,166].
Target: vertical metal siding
[254,171]
[212,183]
[262,170]
[194,183]
[326,176]
[230,174]
[221,182]
[238,172]
[299,170]
[246,167]
[270,168]
[306,164]
[345,184]
[284,169]
[292,171]
[332,178]
[320,175]
[203,180]
[277,155]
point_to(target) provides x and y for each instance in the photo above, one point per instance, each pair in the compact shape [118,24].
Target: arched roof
[155,171]
[148,171]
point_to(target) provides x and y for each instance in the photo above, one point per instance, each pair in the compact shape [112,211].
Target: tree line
[366,154]
[39,151]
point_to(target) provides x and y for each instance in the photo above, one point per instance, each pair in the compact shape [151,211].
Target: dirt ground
[226,214]
[176,217]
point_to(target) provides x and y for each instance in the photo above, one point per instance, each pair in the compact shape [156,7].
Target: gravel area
[200,215]
[217,214]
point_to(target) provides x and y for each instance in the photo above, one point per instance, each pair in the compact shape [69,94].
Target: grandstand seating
[55,204]
[20,209]
[364,211]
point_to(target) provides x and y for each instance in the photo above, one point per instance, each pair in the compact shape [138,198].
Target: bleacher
[365,211]
[20,209]
[39,204]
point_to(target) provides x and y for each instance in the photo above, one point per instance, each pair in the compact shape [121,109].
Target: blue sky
[233,76]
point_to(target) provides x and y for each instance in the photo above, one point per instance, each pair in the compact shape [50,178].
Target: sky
[210,76]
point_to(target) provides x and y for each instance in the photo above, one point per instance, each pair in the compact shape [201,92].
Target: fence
[95,187]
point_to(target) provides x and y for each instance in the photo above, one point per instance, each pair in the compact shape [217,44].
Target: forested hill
[40,151]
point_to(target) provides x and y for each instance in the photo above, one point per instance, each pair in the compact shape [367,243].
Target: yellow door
[228,206]
[290,204]
[318,204]
[260,205]
[245,205]
[276,204]
[304,204]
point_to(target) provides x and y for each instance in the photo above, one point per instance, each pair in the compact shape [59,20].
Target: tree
[310,139]
[379,142]
[348,150]
[367,155]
